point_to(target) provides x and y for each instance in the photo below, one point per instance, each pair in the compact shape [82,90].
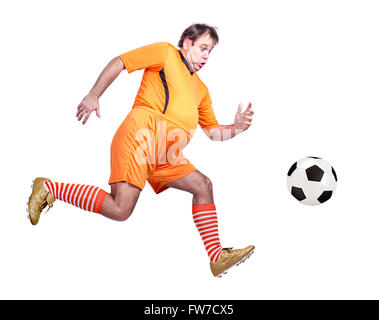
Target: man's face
[197,53]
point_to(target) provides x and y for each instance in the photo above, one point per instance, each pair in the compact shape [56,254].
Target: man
[171,102]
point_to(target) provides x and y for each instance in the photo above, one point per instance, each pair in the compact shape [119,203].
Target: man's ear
[187,42]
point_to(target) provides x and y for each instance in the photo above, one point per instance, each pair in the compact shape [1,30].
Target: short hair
[196,30]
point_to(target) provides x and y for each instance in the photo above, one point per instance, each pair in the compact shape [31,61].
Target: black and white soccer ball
[312,180]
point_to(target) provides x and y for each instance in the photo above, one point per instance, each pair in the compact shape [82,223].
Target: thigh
[190,183]
[199,185]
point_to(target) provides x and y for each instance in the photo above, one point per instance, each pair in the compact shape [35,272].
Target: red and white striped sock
[85,197]
[205,218]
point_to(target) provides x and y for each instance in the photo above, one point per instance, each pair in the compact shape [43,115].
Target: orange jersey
[169,87]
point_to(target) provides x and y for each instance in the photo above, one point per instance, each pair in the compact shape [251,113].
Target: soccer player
[170,103]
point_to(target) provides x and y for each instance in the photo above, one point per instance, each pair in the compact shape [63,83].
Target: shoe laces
[44,205]
[50,206]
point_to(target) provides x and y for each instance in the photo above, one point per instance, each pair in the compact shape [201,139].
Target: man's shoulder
[168,47]
[174,51]
[165,44]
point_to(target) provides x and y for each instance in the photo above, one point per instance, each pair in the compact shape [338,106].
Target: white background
[311,69]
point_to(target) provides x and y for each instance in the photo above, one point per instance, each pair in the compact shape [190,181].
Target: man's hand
[243,120]
[85,108]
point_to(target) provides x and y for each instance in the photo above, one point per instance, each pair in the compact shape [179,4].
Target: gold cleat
[230,258]
[38,200]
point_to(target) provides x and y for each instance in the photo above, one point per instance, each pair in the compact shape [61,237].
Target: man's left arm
[242,122]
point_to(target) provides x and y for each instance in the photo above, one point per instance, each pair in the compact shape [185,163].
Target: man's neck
[183,53]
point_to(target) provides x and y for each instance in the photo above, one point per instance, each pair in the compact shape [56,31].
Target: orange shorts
[147,146]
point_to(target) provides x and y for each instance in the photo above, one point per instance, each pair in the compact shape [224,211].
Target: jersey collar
[185,62]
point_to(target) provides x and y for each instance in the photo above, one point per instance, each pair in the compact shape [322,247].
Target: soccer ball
[312,180]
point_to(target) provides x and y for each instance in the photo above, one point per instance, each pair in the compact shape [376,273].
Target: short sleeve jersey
[168,86]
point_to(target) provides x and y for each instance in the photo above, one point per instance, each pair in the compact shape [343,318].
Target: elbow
[214,134]
[117,63]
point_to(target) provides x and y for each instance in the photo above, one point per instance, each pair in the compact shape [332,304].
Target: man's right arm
[91,100]
[150,57]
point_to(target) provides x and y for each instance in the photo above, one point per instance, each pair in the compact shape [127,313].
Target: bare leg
[119,204]
[198,185]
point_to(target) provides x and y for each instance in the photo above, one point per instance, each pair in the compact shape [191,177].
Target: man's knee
[205,185]
[124,198]
[123,214]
